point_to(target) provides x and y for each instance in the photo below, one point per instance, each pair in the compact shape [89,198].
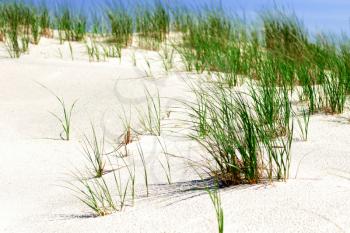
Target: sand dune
[35,165]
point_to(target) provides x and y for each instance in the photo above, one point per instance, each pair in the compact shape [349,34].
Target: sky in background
[317,15]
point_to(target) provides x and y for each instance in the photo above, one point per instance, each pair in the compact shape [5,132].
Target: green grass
[2,23]
[45,22]
[15,27]
[304,123]
[121,24]
[216,43]
[71,50]
[150,119]
[243,143]
[166,166]
[98,51]
[131,171]
[335,88]
[71,26]
[270,99]
[94,151]
[103,196]
[21,24]
[127,134]
[285,35]
[167,56]
[144,165]
[152,26]
[216,200]
[66,119]
[247,134]
[93,50]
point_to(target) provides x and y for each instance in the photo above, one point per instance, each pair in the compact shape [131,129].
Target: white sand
[34,168]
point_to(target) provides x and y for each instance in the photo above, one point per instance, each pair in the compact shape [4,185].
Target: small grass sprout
[144,164]
[65,121]
[94,152]
[216,200]
[304,123]
[167,56]
[150,119]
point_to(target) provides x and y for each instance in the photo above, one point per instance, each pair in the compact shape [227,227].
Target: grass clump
[284,35]
[242,147]
[35,26]
[167,56]
[45,22]
[335,86]
[103,196]
[16,24]
[270,99]
[326,83]
[206,35]
[2,23]
[21,24]
[71,26]
[94,153]
[217,43]
[93,51]
[121,24]
[107,191]
[152,26]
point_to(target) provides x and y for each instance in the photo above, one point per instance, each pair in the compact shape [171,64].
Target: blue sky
[317,15]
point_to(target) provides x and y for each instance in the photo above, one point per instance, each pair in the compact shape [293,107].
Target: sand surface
[35,166]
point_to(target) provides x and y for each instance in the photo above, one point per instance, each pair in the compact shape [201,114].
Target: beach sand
[35,165]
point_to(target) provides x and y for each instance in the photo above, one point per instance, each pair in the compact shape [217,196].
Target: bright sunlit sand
[191,124]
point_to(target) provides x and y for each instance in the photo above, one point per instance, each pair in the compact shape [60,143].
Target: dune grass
[65,118]
[284,35]
[271,100]
[152,25]
[71,26]
[99,51]
[247,133]
[216,200]
[303,123]
[103,196]
[94,151]
[93,51]
[167,56]
[121,25]
[45,22]
[144,165]
[15,27]
[107,192]
[244,145]
[21,24]
[150,119]
[65,121]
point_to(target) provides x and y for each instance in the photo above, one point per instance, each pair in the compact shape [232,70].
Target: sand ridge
[34,166]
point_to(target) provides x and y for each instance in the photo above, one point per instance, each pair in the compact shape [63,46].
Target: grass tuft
[65,121]
[244,147]
[94,152]
[216,200]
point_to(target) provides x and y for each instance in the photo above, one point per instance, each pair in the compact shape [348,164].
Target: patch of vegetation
[71,26]
[152,25]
